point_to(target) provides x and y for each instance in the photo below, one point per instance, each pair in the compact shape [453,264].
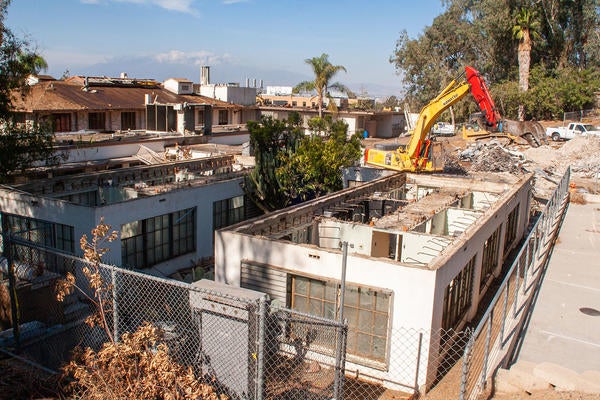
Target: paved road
[565,326]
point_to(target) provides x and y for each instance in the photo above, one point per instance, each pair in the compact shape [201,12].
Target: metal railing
[499,330]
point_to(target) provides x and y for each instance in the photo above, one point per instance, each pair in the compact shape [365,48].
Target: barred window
[153,240]
[457,298]
[50,234]
[490,257]
[228,212]
[367,312]
[96,120]
[511,227]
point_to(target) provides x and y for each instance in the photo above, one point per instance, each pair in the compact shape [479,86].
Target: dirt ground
[547,395]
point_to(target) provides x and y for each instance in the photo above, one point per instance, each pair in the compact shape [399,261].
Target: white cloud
[183,6]
[234,1]
[191,58]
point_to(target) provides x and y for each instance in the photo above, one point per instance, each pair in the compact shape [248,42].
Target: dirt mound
[582,153]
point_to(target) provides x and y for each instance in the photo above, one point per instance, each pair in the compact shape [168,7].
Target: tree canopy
[292,167]
[480,33]
[21,145]
[324,72]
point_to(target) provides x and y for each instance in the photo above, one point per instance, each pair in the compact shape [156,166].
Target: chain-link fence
[580,116]
[499,331]
[252,349]
[231,337]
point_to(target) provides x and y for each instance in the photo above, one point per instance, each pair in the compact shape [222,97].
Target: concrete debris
[493,157]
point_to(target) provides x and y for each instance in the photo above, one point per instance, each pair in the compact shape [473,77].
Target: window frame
[97,120]
[151,241]
[328,307]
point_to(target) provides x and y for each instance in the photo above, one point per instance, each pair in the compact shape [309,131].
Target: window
[200,118]
[510,233]
[490,257]
[228,212]
[367,311]
[294,103]
[150,241]
[96,120]
[50,234]
[61,122]
[127,120]
[223,117]
[457,298]
[303,104]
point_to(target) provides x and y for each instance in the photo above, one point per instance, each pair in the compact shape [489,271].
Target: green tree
[21,146]
[272,141]
[525,31]
[315,168]
[292,167]
[324,72]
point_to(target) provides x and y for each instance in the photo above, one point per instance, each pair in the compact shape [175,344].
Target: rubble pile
[582,153]
[493,157]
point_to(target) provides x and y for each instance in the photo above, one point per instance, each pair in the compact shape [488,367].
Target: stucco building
[423,251]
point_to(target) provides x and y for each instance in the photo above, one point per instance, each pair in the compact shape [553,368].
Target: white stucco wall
[83,218]
[412,288]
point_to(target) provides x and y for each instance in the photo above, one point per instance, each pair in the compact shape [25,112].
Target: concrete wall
[245,96]
[412,288]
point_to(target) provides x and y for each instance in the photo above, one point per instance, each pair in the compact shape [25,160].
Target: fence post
[518,271]
[261,348]
[418,362]
[115,304]
[338,384]
[486,354]
[465,366]
[504,306]
[526,267]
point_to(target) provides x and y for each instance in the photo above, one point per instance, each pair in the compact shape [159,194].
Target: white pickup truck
[572,130]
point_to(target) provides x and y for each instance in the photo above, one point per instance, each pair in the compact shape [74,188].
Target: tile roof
[71,95]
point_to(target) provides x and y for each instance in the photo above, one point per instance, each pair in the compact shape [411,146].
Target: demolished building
[423,252]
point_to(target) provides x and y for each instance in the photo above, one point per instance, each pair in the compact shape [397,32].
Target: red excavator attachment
[482,96]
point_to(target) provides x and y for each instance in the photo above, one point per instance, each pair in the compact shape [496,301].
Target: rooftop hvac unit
[227,319]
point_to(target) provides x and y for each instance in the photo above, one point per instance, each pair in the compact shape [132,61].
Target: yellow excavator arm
[416,155]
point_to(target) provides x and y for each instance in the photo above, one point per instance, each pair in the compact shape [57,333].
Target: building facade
[423,251]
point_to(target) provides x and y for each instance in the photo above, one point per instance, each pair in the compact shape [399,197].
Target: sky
[238,39]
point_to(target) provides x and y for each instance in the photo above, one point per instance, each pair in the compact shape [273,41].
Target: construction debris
[493,157]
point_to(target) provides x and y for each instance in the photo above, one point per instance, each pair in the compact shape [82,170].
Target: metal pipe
[465,367]
[486,354]
[260,352]
[337,388]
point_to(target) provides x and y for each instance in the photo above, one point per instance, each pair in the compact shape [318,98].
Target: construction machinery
[424,155]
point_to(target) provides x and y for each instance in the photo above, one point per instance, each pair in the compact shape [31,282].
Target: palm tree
[324,72]
[525,31]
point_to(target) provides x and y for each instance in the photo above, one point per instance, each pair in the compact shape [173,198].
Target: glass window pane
[382,302]
[379,348]
[351,296]
[301,285]
[363,344]
[365,320]
[350,313]
[301,304]
[316,307]
[317,289]
[366,299]
[380,325]
[330,310]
